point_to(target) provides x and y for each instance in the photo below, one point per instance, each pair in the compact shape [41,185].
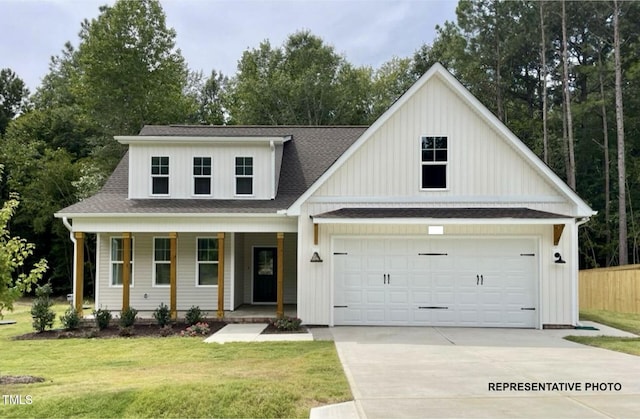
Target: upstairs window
[202,175]
[433,164]
[160,175]
[244,175]
[161,261]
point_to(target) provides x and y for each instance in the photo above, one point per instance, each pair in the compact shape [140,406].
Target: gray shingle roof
[311,152]
[520,213]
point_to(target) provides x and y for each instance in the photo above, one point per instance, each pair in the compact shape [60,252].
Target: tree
[14,251]
[623,252]
[130,71]
[570,159]
[211,98]
[13,97]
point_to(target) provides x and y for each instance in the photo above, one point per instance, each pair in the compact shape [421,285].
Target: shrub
[41,312]
[126,331]
[70,319]
[196,330]
[103,318]
[162,315]
[290,324]
[166,330]
[194,315]
[128,317]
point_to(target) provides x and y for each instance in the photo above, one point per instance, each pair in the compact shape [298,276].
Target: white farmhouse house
[434,215]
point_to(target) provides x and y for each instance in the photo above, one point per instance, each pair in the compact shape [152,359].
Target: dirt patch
[20,379]
[272,330]
[113,331]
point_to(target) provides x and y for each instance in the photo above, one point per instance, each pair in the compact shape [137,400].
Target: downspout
[65,221]
[273,169]
[576,275]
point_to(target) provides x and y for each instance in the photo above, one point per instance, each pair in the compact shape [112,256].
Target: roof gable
[437,76]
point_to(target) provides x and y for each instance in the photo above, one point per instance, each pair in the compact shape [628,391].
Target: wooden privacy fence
[615,289]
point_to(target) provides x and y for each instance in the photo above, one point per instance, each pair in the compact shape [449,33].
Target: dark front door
[264,275]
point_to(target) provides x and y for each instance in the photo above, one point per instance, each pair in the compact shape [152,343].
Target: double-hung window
[117,261]
[160,175]
[244,175]
[161,261]
[202,175]
[433,163]
[207,261]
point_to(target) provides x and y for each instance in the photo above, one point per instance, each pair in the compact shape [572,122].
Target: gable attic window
[202,175]
[160,175]
[244,175]
[433,163]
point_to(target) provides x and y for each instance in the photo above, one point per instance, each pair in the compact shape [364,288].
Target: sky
[213,34]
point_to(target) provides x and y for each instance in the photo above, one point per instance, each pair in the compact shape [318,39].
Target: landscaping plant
[194,315]
[70,319]
[128,317]
[197,329]
[41,312]
[102,317]
[162,315]
[289,324]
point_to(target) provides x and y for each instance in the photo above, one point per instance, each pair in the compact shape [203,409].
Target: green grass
[624,321]
[167,377]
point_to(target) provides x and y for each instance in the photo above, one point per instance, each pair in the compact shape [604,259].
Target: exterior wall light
[316,257]
[558,257]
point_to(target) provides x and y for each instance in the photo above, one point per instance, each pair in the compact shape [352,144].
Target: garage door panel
[483,282]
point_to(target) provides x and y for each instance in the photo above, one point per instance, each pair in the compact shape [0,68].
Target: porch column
[220,275]
[280,276]
[126,272]
[79,269]
[173,275]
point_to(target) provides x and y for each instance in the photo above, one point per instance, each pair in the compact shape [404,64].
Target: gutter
[65,221]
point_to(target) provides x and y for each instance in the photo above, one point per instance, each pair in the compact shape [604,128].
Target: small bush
[194,315]
[162,315]
[103,318]
[197,329]
[289,324]
[70,319]
[128,317]
[91,333]
[41,312]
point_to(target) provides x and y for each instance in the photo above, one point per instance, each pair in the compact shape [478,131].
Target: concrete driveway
[420,372]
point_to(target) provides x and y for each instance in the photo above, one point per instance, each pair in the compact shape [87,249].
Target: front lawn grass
[167,377]
[624,321]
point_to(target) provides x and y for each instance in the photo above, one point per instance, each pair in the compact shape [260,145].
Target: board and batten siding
[556,284]
[188,294]
[223,182]
[481,164]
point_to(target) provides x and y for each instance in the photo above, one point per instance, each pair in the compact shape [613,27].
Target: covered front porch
[228,275]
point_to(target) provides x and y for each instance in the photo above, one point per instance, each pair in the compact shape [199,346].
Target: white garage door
[435,282]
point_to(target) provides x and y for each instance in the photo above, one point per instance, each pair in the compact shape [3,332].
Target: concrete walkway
[251,332]
[422,372]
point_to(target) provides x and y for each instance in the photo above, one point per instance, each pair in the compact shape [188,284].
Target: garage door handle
[433,308]
[388,278]
[477,279]
[528,308]
[385,279]
[340,306]
[481,280]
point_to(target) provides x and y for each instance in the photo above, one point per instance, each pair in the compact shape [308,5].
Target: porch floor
[249,313]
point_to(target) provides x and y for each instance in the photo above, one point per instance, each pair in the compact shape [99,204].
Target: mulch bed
[272,330]
[113,331]
[20,379]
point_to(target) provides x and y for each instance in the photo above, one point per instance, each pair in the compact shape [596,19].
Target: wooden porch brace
[280,276]
[173,275]
[79,290]
[220,275]
[126,271]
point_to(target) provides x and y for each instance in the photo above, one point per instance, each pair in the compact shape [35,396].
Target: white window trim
[207,263]
[421,163]
[194,177]
[235,177]
[168,176]
[154,262]
[111,262]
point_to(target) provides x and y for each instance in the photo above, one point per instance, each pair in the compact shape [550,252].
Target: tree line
[562,75]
